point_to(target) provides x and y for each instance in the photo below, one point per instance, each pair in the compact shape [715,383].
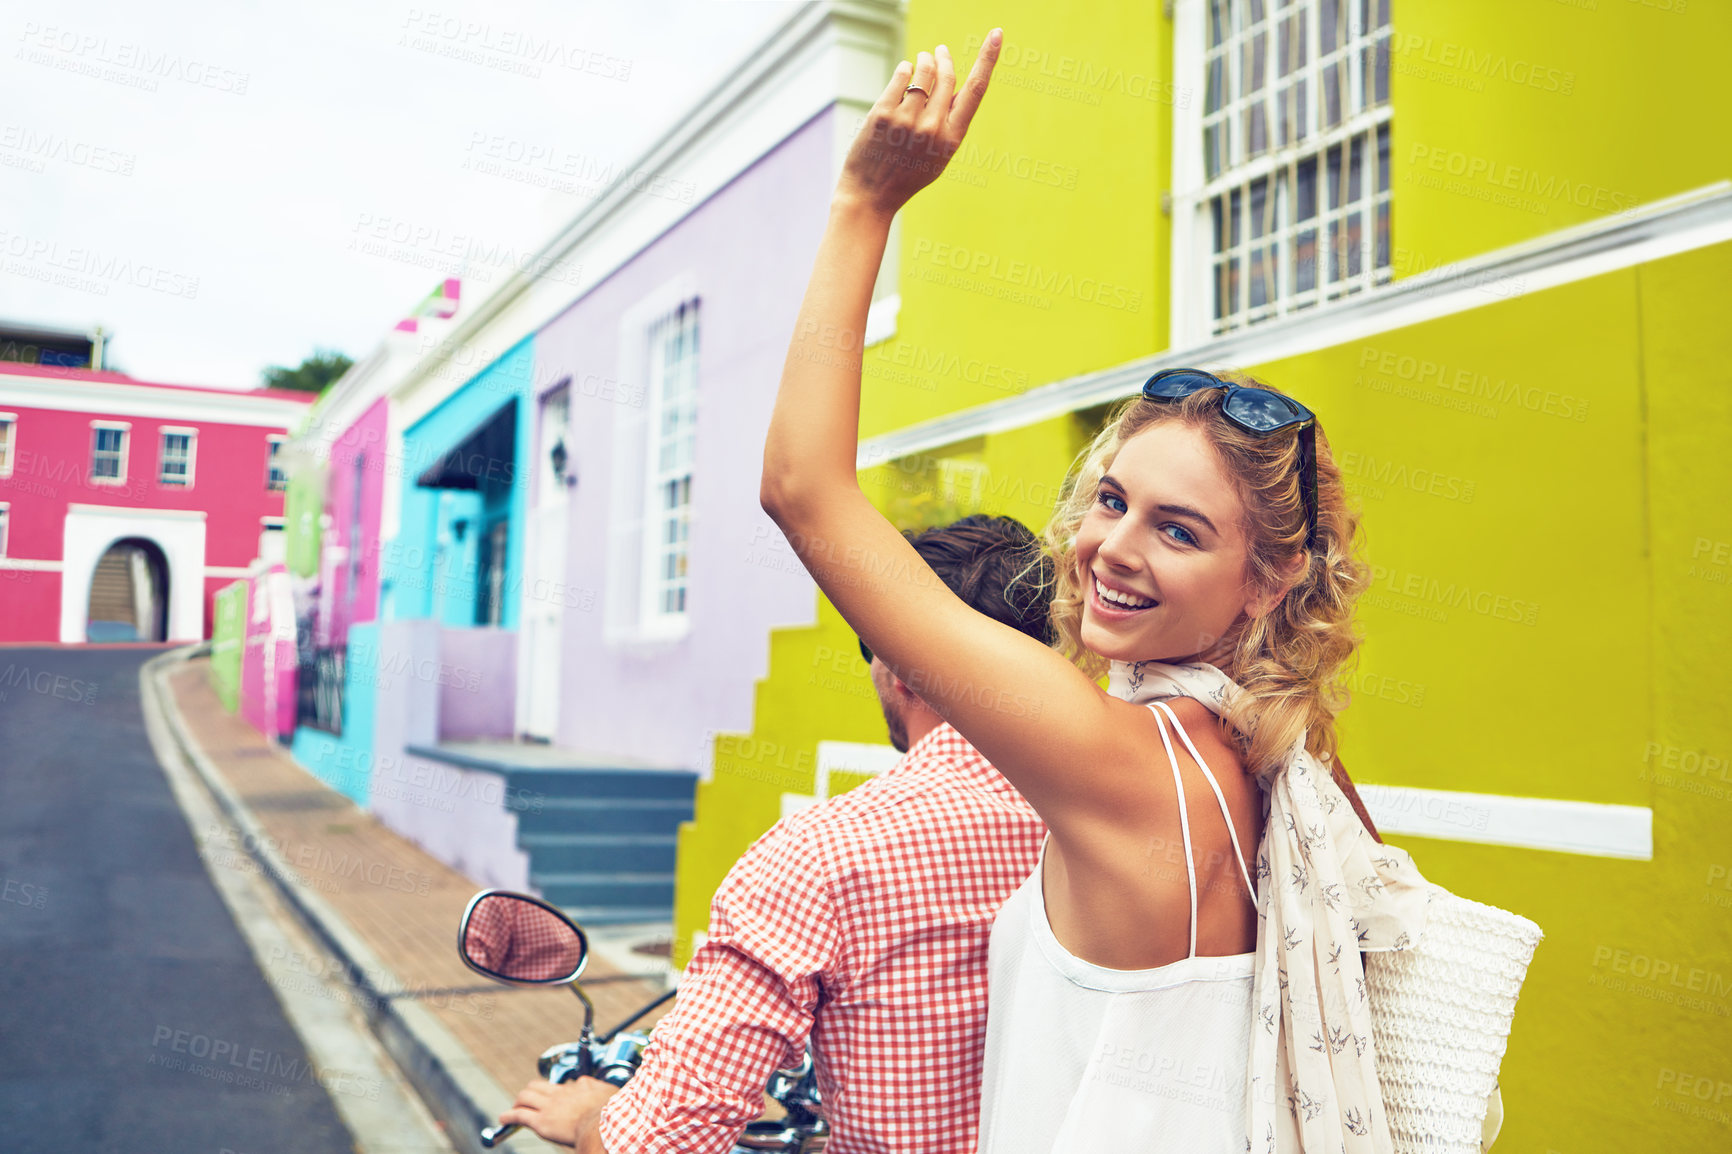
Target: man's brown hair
[996,565]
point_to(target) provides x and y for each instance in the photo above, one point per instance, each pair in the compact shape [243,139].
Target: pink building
[125,504]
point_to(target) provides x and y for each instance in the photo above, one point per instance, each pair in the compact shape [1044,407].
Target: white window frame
[191,435]
[124,428]
[627,623]
[657,617]
[8,443]
[1193,256]
[274,443]
[5,528]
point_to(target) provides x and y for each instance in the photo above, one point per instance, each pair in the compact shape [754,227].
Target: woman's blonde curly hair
[1289,662]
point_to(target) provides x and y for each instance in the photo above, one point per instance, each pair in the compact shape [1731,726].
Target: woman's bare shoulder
[1208,733]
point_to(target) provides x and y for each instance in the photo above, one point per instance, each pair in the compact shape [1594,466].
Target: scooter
[522,940]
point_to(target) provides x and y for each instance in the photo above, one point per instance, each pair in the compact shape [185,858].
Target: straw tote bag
[1440,1017]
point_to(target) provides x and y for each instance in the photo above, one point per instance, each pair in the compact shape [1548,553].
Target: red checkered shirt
[862,924]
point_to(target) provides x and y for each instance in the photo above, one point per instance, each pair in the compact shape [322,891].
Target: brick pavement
[402,902]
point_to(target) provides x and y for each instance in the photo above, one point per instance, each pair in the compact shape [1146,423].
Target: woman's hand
[914,129]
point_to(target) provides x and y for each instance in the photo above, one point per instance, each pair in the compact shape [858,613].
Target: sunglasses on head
[1258,411]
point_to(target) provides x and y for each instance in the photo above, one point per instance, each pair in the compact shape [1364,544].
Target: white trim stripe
[1542,823]
[1661,229]
[30,563]
[128,511]
[144,401]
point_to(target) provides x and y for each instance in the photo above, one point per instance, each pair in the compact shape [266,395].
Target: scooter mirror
[517,938]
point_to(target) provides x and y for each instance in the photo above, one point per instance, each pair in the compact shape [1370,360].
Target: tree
[312,375]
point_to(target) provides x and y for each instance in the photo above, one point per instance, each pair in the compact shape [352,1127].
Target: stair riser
[646,859]
[658,786]
[604,894]
[620,819]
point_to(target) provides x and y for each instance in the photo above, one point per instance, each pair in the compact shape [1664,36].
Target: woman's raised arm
[1033,714]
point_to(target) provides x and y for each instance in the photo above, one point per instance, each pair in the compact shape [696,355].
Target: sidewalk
[402,904]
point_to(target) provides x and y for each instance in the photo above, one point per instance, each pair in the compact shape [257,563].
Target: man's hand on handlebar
[569,1113]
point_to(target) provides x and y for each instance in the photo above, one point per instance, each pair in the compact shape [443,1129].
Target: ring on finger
[915,88]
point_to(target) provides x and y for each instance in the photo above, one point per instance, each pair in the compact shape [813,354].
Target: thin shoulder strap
[1215,786]
[1184,826]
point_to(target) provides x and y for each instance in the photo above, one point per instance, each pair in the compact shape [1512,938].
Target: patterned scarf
[1326,890]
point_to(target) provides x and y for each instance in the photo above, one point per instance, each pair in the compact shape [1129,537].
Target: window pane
[1383,158]
[1305,173]
[1291,104]
[1262,205]
[1216,81]
[1305,261]
[1262,280]
[1353,240]
[1253,63]
[1215,148]
[1256,129]
[1292,50]
[1377,71]
[1331,27]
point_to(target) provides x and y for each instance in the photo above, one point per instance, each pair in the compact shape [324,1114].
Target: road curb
[448,1079]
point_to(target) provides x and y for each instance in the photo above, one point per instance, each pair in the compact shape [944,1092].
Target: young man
[859,925]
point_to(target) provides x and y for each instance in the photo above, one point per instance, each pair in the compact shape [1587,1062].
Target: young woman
[1150,984]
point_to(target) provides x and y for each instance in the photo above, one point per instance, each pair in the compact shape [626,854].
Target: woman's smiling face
[1161,555]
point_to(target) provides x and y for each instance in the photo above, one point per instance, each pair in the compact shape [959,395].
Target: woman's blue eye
[1112,501]
[1180,534]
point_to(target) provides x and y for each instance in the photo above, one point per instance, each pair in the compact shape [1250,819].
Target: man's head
[994,564]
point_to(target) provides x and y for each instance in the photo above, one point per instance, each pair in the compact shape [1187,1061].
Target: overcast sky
[193,176]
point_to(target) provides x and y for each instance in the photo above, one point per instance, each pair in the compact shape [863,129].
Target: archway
[129,593]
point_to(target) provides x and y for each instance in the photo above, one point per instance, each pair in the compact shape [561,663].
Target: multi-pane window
[108,453]
[673,390]
[177,452]
[8,436]
[1294,179]
[275,477]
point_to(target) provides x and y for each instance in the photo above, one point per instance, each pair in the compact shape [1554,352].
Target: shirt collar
[945,748]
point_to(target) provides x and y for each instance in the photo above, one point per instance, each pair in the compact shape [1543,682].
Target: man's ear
[1263,601]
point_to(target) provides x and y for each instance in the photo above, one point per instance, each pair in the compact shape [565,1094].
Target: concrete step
[617,915]
[632,783]
[610,890]
[598,815]
[579,852]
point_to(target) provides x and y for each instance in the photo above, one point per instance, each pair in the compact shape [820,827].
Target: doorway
[129,593]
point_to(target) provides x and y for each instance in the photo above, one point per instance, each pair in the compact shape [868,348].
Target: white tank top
[1083,1058]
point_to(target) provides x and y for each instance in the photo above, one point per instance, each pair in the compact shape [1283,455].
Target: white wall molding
[1580,827]
[137,399]
[1651,232]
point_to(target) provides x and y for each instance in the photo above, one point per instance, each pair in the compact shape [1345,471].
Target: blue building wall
[346,762]
[429,569]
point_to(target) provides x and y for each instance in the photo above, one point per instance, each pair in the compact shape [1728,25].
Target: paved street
[132,1014]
